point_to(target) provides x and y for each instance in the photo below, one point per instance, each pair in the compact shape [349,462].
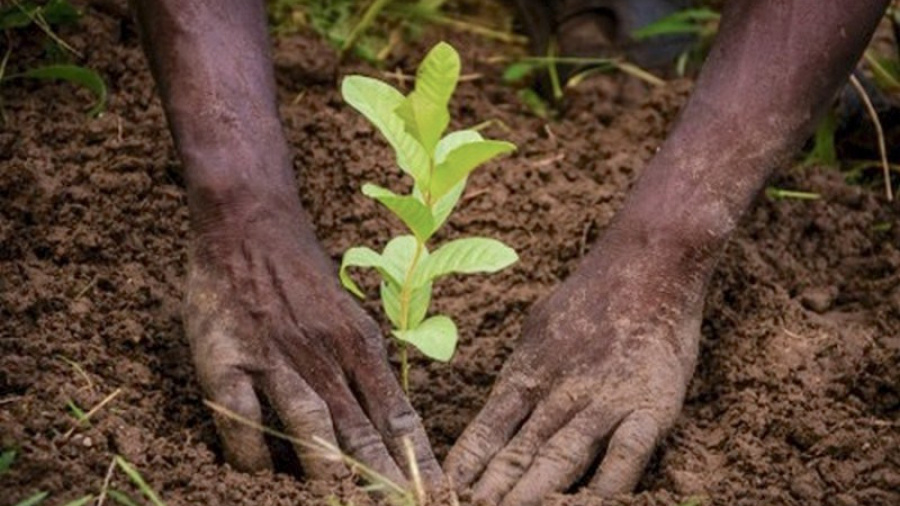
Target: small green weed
[376,30]
[414,125]
[7,457]
[703,23]
[19,17]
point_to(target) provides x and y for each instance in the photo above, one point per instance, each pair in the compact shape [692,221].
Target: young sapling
[439,166]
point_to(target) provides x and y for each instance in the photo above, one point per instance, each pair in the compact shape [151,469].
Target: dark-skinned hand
[265,316]
[600,372]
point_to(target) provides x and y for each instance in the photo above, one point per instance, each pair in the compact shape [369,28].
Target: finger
[564,459]
[397,422]
[629,451]
[244,446]
[513,461]
[307,418]
[487,434]
[357,436]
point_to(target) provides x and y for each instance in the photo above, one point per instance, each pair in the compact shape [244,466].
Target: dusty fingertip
[630,449]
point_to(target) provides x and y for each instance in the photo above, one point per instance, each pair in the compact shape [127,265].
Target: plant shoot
[439,166]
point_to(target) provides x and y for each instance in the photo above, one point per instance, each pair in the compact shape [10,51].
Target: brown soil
[796,399]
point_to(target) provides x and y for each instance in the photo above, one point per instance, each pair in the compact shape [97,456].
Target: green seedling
[439,166]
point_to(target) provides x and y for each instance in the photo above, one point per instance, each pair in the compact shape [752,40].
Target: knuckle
[636,439]
[361,440]
[309,408]
[513,461]
[403,423]
[241,401]
[558,454]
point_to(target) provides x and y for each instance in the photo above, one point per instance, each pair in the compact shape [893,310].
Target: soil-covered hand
[599,377]
[266,318]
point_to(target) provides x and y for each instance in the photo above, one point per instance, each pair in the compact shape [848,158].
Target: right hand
[265,316]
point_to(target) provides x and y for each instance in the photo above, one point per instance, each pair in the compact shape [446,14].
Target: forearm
[211,63]
[773,70]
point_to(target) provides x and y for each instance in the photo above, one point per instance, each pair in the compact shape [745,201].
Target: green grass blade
[365,22]
[681,22]
[74,74]
[139,481]
[121,498]
[82,501]
[33,500]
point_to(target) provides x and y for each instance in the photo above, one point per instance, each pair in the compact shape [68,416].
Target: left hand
[602,369]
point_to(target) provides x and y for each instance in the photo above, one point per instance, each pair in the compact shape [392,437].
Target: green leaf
[823,150]
[463,160]
[466,256]
[441,209]
[33,500]
[398,256]
[73,74]
[390,301]
[535,103]
[436,337]
[454,140]
[363,257]
[419,300]
[517,71]
[81,501]
[424,119]
[409,209]
[378,102]
[17,16]
[6,460]
[444,206]
[438,74]
[60,12]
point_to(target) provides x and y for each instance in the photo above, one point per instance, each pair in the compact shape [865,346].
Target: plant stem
[405,295]
[404,368]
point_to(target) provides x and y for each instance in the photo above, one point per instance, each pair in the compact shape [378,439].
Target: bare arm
[608,356]
[264,312]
